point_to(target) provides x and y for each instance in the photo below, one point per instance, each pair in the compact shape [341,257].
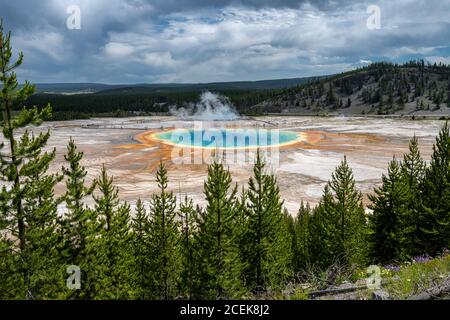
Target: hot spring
[228,138]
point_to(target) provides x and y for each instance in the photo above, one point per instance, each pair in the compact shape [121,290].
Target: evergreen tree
[448,98]
[349,211]
[323,232]
[140,228]
[40,209]
[164,240]
[76,223]
[241,225]
[390,207]
[218,267]
[270,257]
[413,171]
[8,267]
[290,222]
[435,213]
[330,98]
[349,102]
[302,255]
[187,214]
[413,167]
[113,260]
[26,197]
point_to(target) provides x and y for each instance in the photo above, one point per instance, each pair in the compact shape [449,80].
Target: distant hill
[414,88]
[84,100]
[85,88]
[71,88]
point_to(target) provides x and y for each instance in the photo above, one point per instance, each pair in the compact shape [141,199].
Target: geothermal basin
[308,150]
[228,138]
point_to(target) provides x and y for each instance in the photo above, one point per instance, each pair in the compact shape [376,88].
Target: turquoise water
[228,138]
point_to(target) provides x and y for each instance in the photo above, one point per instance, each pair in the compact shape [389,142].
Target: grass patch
[413,278]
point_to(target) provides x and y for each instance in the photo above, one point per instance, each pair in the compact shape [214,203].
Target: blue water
[227,138]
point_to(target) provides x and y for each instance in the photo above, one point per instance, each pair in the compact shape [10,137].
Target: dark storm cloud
[204,40]
[29,14]
[170,6]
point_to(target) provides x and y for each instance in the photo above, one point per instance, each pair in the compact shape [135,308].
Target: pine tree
[8,267]
[139,236]
[413,166]
[40,209]
[113,261]
[187,214]
[448,98]
[218,267]
[351,244]
[290,222]
[27,202]
[413,171]
[331,98]
[269,243]
[164,240]
[390,207]
[302,254]
[435,213]
[241,225]
[323,232]
[76,223]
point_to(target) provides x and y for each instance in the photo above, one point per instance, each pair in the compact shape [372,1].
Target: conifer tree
[187,214]
[76,223]
[218,265]
[330,98]
[113,261]
[413,171]
[26,197]
[390,208]
[413,167]
[241,226]
[448,99]
[323,232]
[40,209]
[164,240]
[291,225]
[302,255]
[270,257]
[435,213]
[140,229]
[349,211]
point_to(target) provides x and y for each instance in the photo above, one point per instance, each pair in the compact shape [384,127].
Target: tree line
[241,244]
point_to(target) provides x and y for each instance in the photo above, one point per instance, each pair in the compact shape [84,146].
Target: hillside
[81,88]
[414,88]
[83,100]
[378,89]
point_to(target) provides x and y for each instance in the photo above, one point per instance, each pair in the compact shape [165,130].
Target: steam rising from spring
[212,107]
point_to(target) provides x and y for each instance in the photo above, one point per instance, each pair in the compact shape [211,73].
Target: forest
[241,245]
[377,89]
[140,101]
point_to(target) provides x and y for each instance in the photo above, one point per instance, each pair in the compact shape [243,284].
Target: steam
[212,107]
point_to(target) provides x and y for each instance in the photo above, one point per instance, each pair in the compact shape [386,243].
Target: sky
[190,41]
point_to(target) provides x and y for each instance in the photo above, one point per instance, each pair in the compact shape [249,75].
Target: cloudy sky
[154,41]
